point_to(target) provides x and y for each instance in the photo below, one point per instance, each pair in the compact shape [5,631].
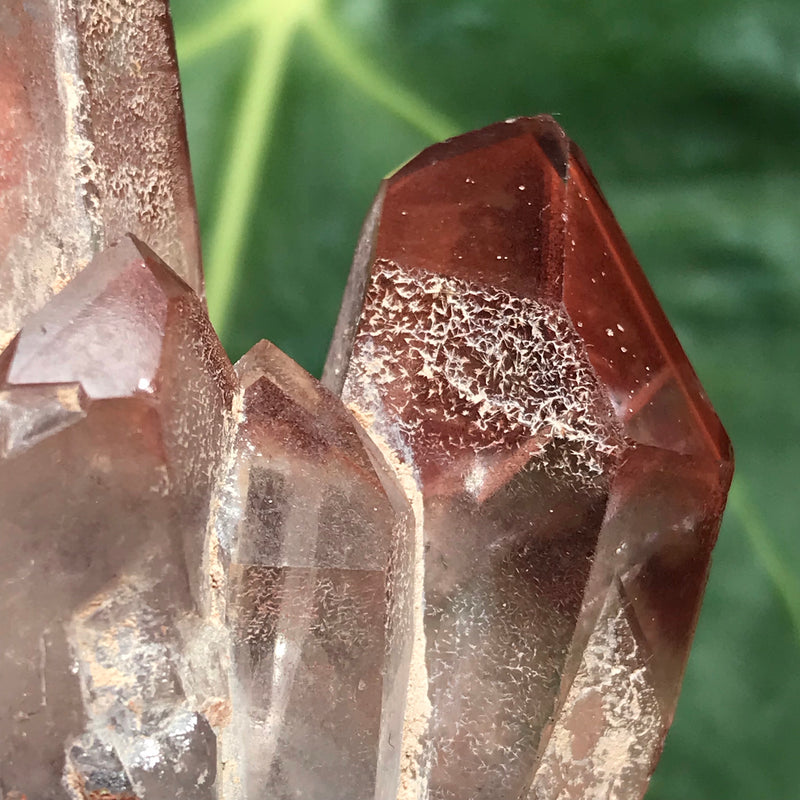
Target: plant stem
[368,76]
[251,136]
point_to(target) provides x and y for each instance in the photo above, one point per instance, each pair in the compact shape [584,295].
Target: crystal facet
[500,342]
[92,145]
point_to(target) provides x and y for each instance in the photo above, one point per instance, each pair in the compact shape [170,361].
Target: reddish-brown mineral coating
[92,145]
[629,340]
[493,214]
[502,344]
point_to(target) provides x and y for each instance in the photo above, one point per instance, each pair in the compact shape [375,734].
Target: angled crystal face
[493,214]
[654,390]
[669,490]
[602,742]
[115,314]
[502,346]
[112,404]
[312,533]
[93,145]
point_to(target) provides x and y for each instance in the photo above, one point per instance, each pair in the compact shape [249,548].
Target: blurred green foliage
[689,113]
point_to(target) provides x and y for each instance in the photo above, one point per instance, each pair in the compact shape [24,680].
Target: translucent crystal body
[315,533]
[92,145]
[111,416]
[501,343]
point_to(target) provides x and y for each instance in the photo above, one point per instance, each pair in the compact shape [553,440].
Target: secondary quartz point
[314,554]
[502,346]
[204,582]
[112,408]
[92,145]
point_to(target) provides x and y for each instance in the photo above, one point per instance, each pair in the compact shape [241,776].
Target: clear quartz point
[313,535]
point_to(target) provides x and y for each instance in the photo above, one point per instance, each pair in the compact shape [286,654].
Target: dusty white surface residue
[609,731]
[77,158]
[461,366]
[95,146]
[139,138]
[217,634]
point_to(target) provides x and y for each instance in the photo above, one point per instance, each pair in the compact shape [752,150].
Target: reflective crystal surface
[501,344]
[314,546]
[112,402]
[92,145]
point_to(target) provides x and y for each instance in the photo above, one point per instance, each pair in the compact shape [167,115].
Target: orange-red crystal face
[501,340]
[514,209]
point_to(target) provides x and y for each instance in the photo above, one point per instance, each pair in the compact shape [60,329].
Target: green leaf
[689,113]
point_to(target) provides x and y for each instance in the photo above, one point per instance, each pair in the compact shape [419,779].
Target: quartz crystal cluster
[465,566]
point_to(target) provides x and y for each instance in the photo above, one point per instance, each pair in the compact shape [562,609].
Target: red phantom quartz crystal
[500,340]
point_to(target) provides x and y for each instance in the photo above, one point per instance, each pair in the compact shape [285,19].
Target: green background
[689,113]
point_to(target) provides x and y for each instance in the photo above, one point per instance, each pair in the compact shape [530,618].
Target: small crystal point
[314,533]
[93,323]
[503,346]
[112,398]
[93,145]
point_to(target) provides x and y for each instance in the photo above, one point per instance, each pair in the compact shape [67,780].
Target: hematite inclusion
[476,578]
